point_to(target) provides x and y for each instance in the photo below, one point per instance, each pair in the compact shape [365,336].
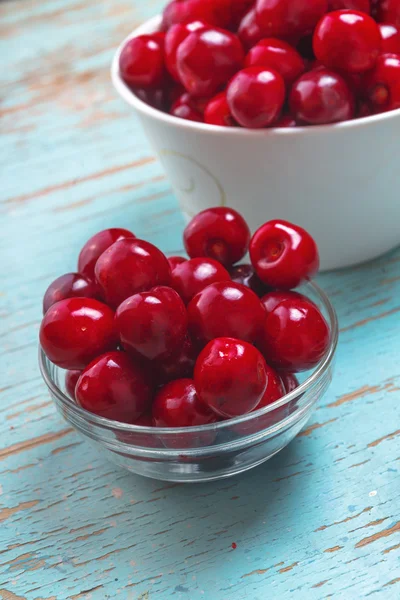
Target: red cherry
[275,389]
[174,37]
[295,335]
[157,98]
[360,5]
[279,56]
[382,85]
[152,324]
[71,379]
[389,12]
[239,9]
[283,255]
[245,275]
[321,96]
[230,377]
[255,97]
[283,18]
[347,40]
[272,299]
[226,309]
[177,405]
[214,12]
[187,107]
[76,330]
[179,365]
[219,233]
[70,285]
[95,247]
[141,62]
[217,112]
[286,121]
[207,59]
[114,387]
[131,266]
[192,276]
[174,261]
[390,38]
[290,382]
[249,32]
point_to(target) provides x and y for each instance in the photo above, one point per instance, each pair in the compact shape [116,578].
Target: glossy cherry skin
[382,84]
[249,32]
[129,267]
[295,335]
[174,37]
[389,12]
[174,261]
[70,285]
[290,382]
[285,18]
[219,233]
[245,275]
[279,56]
[283,255]
[114,387]
[272,299]
[321,96]
[255,97]
[95,247]
[141,62]
[214,12]
[230,377]
[177,405]
[185,111]
[152,324]
[360,5]
[286,121]
[217,112]
[192,276]
[347,40]
[76,330]
[71,379]
[226,309]
[179,365]
[207,59]
[390,38]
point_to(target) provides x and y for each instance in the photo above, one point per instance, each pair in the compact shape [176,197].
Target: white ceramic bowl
[340,182]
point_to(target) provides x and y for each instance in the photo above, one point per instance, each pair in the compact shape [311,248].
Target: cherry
[207,59]
[217,112]
[245,275]
[174,37]
[226,309]
[390,38]
[279,56]
[71,379]
[157,98]
[295,335]
[184,111]
[174,261]
[360,5]
[177,405]
[283,255]
[141,62]
[256,96]
[283,18]
[220,233]
[192,276]
[347,40]
[70,285]
[290,382]
[114,387]
[239,10]
[179,365]
[76,330]
[272,299]
[321,96]
[152,324]
[95,247]
[230,376]
[131,266]
[382,84]
[214,12]
[286,121]
[249,32]
[275,389]
[389,12]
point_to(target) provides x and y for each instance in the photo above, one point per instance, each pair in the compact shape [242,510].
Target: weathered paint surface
[320,520]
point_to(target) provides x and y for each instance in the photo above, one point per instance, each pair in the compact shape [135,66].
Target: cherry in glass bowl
[207,452]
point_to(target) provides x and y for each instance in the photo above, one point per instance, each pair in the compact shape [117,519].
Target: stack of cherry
[182,342]
[263,63]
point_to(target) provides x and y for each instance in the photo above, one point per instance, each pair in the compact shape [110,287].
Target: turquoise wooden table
[320,520]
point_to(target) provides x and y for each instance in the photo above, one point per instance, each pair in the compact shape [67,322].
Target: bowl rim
[105,423]
[153,25]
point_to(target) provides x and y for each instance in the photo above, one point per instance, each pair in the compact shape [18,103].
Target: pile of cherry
[176,342]
[263,63]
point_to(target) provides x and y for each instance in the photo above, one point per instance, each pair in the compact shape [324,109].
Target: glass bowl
[207,452]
